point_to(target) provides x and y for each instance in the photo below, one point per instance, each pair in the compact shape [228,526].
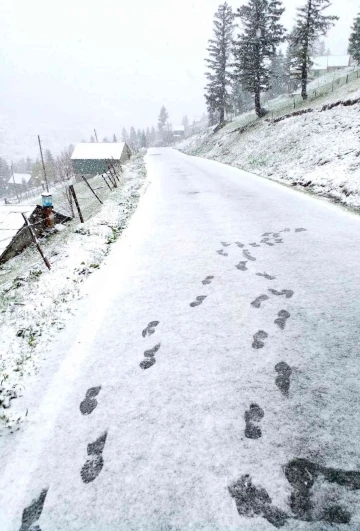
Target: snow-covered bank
[36,303]
[319,150]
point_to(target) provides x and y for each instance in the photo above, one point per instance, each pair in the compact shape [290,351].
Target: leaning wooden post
[93,191]
[72,190]
[113,167]
[107,184]
[43,165]
[35,240]
[109,168]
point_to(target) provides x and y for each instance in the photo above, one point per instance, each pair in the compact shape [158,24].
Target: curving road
[210,380]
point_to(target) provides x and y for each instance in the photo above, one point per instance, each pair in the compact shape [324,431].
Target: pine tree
[133,141]
[354,40]
[92,139]
[105,139]
[163,118]
[279,76]
[29,164]
[143,142]
[5,174]
[148,137]
[217,93]
[153,136]
[310,24]
[185,123]
[241,100]
[256,45]
[37,174]
[114,138]
[124,135]
[50,165]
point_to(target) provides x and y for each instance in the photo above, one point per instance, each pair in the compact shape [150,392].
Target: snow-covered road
[211,378]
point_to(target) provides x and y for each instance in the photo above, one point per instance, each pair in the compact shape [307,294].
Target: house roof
[19,178]
[330,61]
[98,151]
[11,222]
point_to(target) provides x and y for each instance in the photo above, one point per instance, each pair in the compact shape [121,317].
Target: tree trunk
[304,79]
[257,103]
[222,115]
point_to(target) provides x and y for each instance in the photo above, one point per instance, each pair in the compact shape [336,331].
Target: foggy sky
[70,66]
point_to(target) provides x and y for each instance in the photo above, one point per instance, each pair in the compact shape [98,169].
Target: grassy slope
[322,148]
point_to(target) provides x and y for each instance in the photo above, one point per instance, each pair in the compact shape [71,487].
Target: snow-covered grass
[35,303]
[319,150]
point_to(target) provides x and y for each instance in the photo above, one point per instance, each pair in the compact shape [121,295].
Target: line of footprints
[243,490]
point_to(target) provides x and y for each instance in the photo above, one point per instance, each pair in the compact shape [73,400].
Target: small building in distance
[90,158]
[178,132]
[20,181]
[328,63]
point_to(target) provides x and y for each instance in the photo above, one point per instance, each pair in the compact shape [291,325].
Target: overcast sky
[71,65]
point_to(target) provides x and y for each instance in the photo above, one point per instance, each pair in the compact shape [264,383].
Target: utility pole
[96,135]
[43,165]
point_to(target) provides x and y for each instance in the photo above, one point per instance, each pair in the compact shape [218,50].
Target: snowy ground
[35,303]
[319,150]
[240,296]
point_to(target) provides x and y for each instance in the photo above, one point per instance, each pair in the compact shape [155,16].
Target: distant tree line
[245,59]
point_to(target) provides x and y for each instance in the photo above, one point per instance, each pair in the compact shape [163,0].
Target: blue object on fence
[47,200]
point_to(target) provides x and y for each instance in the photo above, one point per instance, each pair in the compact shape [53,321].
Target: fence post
[107,184]
[109,168]
[93,191]
[347,78]
[113,167]
[72,190]
[35,240]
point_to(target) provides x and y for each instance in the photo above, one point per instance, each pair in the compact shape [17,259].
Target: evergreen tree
[105,139]
[92,139]
[148,137]
[185,122]
[124,135]
[317,49]
[114,138]
[153,135]
[311,22]
[37,174]
[143,142]
[219,75]
[241,100]
[354,40]
[163,118]
[29,164]
[255,47]
[278,75]
[133,142]
[5,174]
[212,118]
[50,165]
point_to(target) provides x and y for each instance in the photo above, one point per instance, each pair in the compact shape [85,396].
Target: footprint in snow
[287,292]
[252,417]
[33,512]
[199,300]
[258,339]
[239,244]
[252,502]
[221,252]
[150,329]
[149,360]
[94,465]
[266,241]
[268,277]
[257,302]
[208,280]
[282,381]
[283,317]
[254,244]
[89,403]
[241,266]
[248,255]
[300,230]
[224,244]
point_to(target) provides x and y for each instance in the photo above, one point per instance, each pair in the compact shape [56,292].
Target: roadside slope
[318,150]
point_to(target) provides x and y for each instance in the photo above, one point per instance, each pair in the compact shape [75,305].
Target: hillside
[318,150]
